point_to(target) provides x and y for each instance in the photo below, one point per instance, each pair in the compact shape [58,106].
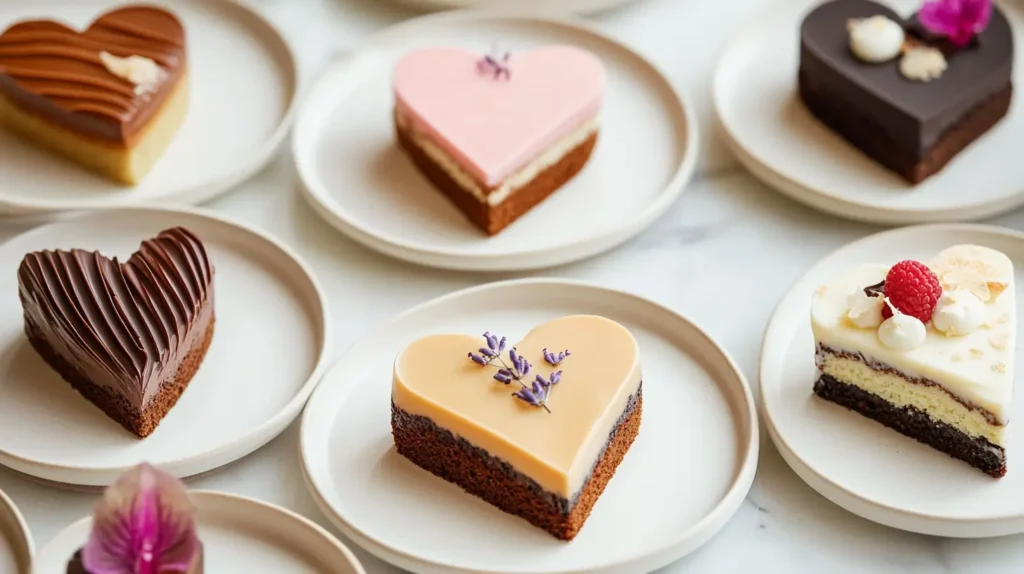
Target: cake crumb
[999,368]
[999,341]
[977,352]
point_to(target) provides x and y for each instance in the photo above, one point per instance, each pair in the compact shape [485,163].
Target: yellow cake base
[123,164]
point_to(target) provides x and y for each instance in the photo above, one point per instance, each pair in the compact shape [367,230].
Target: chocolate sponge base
[916,424]
[454,459]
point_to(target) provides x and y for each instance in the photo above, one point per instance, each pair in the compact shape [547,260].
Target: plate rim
[689,540]
[838,493]
[821,199]
[27,545]
[215,496]
[584,7]
[271,37]
[445,258]
[210,459]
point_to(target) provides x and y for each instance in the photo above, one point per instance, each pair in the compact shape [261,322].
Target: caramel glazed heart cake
[110,98]
[128,336]
[537,433]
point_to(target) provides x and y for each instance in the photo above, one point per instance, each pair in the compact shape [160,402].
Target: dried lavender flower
[492,341]
[478,360]
[501,345]
[539,389]
[502,377]
[555,377]
[554,359]
[488,353]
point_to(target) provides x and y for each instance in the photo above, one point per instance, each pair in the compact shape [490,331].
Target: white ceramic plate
[239,535]
[267,354]
[859,464]
[684,477]
[577,6]
[15,538]
[242,82]
[356,177]
[780,142]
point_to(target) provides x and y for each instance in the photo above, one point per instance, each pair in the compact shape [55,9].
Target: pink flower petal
[143,525]
[958,20]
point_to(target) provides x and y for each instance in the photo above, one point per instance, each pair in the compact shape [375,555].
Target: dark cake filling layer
[916,424]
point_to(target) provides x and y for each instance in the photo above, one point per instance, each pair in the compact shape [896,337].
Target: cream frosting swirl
[865,310]
[876,39]
[901,332]
[958,313]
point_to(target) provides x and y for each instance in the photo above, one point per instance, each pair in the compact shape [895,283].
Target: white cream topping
[901,332]
[978,367]
[525,175]
[865,310]
[923,64]
[876,39]
[958,313]
[141,71]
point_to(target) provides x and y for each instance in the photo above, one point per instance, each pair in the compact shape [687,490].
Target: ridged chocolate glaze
[122,325]
[888,369]
[56,72]
[913,114]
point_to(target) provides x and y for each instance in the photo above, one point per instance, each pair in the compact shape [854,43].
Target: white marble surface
[724,254]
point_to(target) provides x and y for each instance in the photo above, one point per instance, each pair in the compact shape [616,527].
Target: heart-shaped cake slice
[535,428]
[128,336]
[498,134]
[111,97]
[905,96]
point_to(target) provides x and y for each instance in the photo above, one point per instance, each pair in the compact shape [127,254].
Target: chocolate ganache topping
[55,72]
[122,324]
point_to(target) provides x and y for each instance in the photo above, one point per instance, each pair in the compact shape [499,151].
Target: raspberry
[913,289]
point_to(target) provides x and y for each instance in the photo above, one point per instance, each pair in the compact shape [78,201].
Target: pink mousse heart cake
[497,135]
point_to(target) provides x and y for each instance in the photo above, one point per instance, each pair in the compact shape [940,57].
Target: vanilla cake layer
[126,164]
[496,195]
[898,390]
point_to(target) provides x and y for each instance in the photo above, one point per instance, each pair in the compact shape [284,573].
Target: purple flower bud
[492,341]
[525,370]
[540,391]
[502,378]
[555,377]
[501,345]
[527,396]
[487,352]
[540,379]
[478,359]
[567,353]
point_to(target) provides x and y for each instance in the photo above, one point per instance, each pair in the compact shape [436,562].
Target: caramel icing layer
[433,377]
[122,324]
[56,72]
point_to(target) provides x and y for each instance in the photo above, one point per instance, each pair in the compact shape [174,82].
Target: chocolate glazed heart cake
[911,94]
[127,336]
[110,98]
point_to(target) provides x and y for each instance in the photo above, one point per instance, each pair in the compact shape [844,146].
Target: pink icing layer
[494,126]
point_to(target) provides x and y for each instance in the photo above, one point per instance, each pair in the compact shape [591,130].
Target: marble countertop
[729,239]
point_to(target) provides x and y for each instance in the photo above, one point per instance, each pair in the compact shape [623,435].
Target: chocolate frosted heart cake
[110,98]
[537,433]
[127,336]
[498,134]
[910,93]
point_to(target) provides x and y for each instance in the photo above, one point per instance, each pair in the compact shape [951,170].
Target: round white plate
[687,473]
[358,179]
[267,354]
[780,142]
[859,464]
[577,6]
[239,535]
[15,538]
[242,80]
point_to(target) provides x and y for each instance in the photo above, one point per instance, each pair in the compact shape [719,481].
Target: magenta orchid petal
[143,525]
[957,20]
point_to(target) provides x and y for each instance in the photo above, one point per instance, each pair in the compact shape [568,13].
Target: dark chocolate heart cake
[908,96]
[127,336]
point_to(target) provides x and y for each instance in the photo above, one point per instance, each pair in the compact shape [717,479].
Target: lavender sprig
[537,392]
[496,66]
